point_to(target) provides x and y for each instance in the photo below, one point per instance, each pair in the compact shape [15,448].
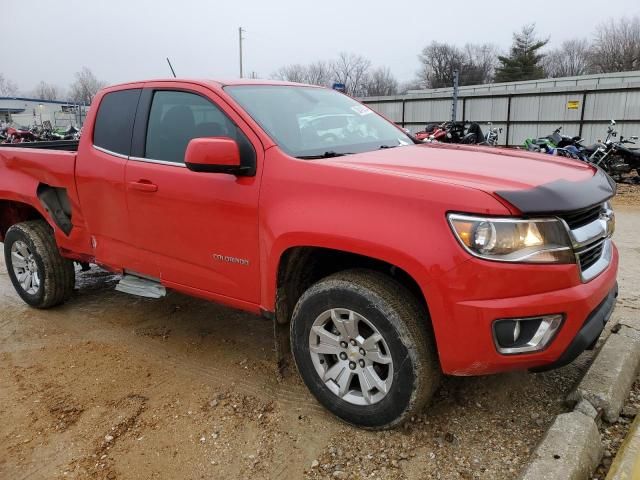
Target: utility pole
[240,38]
[454,104]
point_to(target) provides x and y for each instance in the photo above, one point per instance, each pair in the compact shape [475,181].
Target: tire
[55,274]
[377,304]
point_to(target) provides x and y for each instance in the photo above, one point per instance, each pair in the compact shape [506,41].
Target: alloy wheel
[351,356]
[25,267]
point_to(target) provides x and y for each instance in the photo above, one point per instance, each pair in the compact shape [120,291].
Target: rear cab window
[114,121]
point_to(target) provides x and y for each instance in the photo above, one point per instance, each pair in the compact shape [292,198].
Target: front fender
[398,220]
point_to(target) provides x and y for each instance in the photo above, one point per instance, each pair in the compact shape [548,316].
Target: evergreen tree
[524,60]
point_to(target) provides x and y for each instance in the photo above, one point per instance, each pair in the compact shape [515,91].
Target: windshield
[308,122]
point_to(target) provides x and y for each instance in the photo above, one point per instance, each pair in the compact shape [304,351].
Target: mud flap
[283,347]
[281,334]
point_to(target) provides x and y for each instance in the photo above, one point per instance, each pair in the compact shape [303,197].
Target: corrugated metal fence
[581,105]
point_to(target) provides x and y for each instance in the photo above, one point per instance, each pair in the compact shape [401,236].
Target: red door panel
[199,229]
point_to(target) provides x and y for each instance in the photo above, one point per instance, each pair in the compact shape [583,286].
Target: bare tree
[438,62]
[292,73]
[85,87]
[317,73]
[46,91]
[571,59]
[352,70]
[616,47]
[480,64]
[7,87]
[474,63]
[381,82]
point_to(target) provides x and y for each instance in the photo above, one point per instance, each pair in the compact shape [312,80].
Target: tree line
[81,91]
[613,47]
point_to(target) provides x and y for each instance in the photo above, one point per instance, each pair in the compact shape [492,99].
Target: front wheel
[40,275]
[363,346]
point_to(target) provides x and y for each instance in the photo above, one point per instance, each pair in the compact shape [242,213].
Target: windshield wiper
[329,154]
[388,146]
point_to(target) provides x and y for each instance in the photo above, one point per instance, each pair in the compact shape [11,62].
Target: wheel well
[301,267]
[12,212]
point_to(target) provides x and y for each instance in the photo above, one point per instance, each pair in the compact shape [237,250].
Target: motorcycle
[3,131]
[19,134]
[452,132]
[557,144]
[65,133]
[614,156]
[491,138]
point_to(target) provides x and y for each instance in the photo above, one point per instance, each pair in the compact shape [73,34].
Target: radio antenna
[171,67]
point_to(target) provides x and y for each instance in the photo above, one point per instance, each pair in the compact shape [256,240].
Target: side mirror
[214,155]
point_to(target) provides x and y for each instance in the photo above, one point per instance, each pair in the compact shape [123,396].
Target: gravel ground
[111,386]
[629,193]
[613,435]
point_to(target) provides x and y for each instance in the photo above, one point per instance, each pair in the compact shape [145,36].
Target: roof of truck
[215,82]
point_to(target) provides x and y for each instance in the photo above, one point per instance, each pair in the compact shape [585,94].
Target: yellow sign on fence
[573,104]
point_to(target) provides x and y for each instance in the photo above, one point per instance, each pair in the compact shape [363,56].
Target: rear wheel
[40,275]
[363,346]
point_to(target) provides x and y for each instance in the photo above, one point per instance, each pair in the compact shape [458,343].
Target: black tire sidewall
[392,407]
[14,235]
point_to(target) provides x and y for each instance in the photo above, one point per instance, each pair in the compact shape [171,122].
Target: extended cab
[385,262]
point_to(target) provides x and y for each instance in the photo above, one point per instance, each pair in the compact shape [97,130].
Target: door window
[178,117]
[114,121]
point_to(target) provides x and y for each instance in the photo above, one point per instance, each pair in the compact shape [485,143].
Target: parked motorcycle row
[14,133]
[613,154]
[468,133]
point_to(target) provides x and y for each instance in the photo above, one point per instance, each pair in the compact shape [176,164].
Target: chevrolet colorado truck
[383,263]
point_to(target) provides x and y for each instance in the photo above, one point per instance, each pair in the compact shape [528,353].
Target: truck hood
[531,182]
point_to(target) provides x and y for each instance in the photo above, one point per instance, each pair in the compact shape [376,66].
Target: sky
[129,40]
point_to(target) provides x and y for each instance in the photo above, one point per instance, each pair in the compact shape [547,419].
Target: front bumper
[588,334]
[466,301]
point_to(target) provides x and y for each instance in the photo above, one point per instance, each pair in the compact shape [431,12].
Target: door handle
[143,186]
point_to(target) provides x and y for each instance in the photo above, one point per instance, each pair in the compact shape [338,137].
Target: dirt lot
[113,386]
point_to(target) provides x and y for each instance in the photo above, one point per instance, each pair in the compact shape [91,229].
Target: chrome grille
[590,230]
[583,217]
[590,256]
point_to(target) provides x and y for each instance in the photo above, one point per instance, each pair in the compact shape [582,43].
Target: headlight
[543,240]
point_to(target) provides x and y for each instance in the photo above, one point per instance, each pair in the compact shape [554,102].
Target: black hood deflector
[562,195]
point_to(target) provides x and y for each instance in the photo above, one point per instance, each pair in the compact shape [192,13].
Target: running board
[141,287]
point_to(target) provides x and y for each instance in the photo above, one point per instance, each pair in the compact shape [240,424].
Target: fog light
[525,335]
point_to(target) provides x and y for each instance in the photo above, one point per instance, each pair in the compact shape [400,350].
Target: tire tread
[59,273]
[414,329]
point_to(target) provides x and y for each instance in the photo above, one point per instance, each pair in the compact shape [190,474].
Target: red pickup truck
[384,262]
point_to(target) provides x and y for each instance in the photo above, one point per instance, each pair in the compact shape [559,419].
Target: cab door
[100,171]
[199,230]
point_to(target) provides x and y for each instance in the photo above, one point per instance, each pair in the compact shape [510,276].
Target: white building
[31,111]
